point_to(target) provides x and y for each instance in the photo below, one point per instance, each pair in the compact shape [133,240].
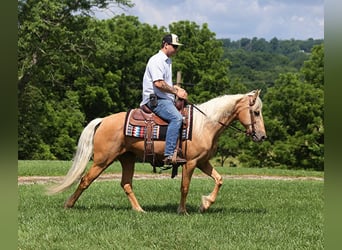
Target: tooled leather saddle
[143,123]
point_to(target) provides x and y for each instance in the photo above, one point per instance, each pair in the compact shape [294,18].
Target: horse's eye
[256,113]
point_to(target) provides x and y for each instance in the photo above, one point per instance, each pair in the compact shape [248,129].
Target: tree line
[73,67]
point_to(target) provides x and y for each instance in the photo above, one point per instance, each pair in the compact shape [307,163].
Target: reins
[221,123]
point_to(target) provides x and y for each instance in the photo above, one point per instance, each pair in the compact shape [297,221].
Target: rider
[159,93]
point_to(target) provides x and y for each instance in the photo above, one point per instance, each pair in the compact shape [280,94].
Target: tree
[313,69]
[205,73]
[302,120]
[294,118]
[55,46]
[229,146]
[304,105]
[63,123]
[125,47]
[31,106]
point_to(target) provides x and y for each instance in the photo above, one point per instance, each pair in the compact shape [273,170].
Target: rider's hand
[181,93]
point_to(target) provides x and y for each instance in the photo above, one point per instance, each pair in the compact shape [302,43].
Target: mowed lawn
[248,214]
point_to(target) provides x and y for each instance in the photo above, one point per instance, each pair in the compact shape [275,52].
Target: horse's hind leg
[208,200]
[86,180]
[127,162]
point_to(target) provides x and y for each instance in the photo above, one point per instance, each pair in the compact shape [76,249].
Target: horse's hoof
[66,206]
[206,203]
[182,211]
[140,210]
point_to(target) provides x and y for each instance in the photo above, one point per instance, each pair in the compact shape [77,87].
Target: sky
[235,19]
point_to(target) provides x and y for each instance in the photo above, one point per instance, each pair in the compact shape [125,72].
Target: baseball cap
[171,39]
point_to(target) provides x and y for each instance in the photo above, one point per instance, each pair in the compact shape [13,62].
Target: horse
[104,140]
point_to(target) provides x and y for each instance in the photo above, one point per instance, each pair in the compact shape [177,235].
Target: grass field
[56,168]
[248,214]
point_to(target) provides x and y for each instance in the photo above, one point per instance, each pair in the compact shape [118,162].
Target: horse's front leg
[127,163]
[208,200]
[187,171]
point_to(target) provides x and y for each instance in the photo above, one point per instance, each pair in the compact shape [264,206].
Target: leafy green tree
[229,146]
[64,121]
[313,69]
[299,107]
[274,43]
[30,121]
[126,46]
[55,46]
[294,118]
[298,104]
[205,72]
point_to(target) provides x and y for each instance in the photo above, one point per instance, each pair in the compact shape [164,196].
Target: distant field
[248,214]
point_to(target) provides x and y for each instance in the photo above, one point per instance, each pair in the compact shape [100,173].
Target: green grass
[55,168]
[248,214]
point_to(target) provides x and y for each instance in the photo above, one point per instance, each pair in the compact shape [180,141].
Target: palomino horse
[103,138]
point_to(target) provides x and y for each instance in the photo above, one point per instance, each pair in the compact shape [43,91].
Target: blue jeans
[167,110]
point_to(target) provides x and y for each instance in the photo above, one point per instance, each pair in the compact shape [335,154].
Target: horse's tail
[83,154]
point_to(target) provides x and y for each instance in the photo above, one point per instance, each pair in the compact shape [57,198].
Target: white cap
[171,39]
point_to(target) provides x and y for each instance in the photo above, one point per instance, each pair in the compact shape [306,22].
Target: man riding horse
[159,94]
[105,141]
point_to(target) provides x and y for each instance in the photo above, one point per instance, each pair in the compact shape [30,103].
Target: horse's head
[250,116]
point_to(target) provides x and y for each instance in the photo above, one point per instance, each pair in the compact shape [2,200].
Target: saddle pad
[158,131]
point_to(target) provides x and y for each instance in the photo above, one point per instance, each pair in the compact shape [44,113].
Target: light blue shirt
[159,67]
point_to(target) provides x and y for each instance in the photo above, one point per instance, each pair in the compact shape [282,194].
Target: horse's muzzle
[258,136]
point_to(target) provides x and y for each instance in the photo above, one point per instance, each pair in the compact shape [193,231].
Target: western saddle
[144,117]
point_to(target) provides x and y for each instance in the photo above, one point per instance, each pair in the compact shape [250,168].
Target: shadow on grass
[168,208]
[172,209]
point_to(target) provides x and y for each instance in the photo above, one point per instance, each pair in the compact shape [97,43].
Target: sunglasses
[175,46]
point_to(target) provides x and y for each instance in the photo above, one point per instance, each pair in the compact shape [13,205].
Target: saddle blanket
[135,128]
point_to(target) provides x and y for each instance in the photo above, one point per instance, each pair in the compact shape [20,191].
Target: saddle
[143,123]
[142,115]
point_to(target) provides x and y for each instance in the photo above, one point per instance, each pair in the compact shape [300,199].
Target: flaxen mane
[215,109]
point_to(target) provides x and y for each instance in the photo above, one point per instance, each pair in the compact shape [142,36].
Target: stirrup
[165,167]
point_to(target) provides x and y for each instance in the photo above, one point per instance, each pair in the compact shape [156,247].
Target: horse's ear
[255,96]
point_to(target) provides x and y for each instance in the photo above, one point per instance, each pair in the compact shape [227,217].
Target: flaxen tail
[83,154]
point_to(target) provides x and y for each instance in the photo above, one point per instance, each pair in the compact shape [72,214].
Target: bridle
[251,113]
[252,124]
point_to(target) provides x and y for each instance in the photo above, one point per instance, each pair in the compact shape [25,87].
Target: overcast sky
[236,19]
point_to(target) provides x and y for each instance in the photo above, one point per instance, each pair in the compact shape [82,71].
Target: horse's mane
[215,109]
